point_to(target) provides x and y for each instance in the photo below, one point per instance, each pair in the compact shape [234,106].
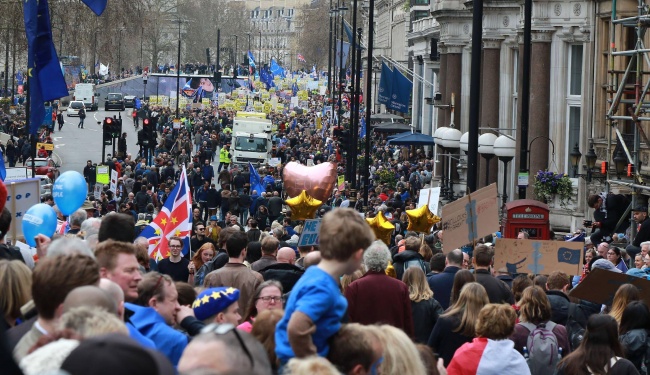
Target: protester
[490,352]
[424,307]
[217,305]
[441,284]
[197,267]
[625,294]
[456,325]
[600,349]
[376,298]
[315,307]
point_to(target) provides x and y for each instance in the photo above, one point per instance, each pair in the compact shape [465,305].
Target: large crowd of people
[241,297]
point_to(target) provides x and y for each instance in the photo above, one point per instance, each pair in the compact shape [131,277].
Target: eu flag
[45,78]
[255,180]
[570,256]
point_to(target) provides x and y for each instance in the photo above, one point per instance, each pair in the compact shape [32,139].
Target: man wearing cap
[218,305]
[640,214]
[224,157]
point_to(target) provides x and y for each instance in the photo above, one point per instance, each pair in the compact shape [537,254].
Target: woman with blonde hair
[401,356]
[456,326]
[490,352]
[16,286]
[535,312]
[197,266]
[625,294]
[424,308]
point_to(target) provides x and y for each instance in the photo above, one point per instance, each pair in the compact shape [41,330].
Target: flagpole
[27,124]
[368,92]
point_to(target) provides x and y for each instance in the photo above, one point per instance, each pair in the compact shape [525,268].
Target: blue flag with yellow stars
[45,78]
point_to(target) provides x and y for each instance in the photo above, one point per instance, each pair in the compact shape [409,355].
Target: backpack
[414,263]
[543,350]
[575,330]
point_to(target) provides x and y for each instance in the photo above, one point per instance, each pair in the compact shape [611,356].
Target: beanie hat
[211,302]
[115,354]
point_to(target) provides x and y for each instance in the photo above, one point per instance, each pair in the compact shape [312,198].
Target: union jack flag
[301,58]
[174,219]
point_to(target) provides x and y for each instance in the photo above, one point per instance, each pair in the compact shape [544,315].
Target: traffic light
[107,131]
[344,140]
[144,134]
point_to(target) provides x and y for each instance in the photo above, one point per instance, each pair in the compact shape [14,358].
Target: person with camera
[608,211]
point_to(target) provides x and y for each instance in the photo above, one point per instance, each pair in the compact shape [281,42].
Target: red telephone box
[527,215]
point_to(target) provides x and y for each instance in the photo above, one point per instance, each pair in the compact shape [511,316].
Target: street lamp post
[178,69]
[259,51]
[504,148]
[371,35]
[342,10]
[332,56]
[235,65]
[486,149]
[119,53]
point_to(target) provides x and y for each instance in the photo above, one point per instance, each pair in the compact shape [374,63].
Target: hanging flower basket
[551,185]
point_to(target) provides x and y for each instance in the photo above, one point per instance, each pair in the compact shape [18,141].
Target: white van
[85,92]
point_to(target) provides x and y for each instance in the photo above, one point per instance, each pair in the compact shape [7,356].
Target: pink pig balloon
[318,181]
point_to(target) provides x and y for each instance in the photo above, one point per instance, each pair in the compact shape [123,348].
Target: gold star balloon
[382,227]
[303,206]
[421,219]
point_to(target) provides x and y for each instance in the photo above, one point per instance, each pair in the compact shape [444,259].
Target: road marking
[57,146]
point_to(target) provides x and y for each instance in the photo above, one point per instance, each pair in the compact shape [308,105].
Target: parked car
[74,107]
[129,101]
[45,167]
[46,186]
[114,101]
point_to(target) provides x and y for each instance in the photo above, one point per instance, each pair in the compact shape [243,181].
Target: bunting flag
[174,219]
[97,6]
[401,89]
[385,84]
[251,59]
[44,75]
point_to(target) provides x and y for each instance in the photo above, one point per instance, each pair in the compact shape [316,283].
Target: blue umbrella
[413,139]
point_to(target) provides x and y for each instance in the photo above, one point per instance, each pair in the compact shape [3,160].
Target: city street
[75,146]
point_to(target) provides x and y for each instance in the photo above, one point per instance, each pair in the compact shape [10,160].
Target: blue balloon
[69,192]
[39,219]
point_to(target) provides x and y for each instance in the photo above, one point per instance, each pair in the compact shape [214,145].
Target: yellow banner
[48,146]
[319,123]
[205,101]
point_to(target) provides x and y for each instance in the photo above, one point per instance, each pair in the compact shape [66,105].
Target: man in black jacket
[497,290]
[285,271]
[640,214]
[442,283]
[608,210]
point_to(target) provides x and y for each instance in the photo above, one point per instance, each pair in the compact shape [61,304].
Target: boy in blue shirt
[315,308]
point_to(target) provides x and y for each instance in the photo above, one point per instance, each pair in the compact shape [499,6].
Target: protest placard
[309,234]
[21,195]
[600,286]
[538,257]
[471,217]
[433,202]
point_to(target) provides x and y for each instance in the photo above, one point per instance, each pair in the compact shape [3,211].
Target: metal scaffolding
[627,90]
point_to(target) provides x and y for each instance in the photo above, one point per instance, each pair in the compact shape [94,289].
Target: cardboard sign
[21,196]
[538,257]
[309,234]
[97,191]
[470,218]
[433,202]
[48,146]
[600,286]
[102,175]
[113,186]
[274,162]
[16,174]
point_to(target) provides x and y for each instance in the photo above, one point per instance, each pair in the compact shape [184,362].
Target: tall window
[574,100]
